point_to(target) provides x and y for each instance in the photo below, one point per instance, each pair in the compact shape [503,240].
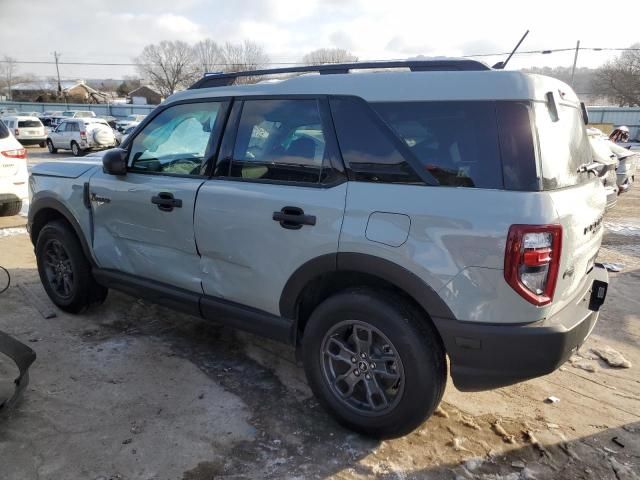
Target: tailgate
[580,211]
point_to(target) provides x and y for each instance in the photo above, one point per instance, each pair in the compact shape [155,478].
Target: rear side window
[369,151]
[563,144]
[279,140]
[4,131]
[456,142]
[29,124]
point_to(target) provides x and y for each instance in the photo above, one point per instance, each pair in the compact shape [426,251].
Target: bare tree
[329,55]
[244,56]
[170,66]
[9,68]
[619,79]
[209,56]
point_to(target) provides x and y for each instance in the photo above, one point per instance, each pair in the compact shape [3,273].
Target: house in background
[74,91]
[144,95]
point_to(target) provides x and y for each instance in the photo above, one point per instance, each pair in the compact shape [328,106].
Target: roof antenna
[501,65]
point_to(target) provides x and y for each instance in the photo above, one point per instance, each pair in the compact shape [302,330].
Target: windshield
[564,145]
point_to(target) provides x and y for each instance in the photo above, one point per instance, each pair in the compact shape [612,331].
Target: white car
[81,134]
[79,114]
[28,130]
[129,121]
[13,173]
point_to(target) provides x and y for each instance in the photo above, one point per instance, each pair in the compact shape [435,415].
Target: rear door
[276,201]
[143,221]
[58,136]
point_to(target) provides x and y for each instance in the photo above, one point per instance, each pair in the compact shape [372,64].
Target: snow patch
[628,229]
[11,232]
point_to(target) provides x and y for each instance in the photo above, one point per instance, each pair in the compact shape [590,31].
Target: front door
[275,202]
[143,221]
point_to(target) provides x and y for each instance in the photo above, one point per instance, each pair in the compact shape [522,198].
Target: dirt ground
[135,391]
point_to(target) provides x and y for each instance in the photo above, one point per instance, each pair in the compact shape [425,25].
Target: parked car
[80,135]
[628,162]
[5,111]
[377,225]
[51,113]
[130,120]
[13,173]
[128,131]
[28,130]
[603,155]
[78,114]
[52,122]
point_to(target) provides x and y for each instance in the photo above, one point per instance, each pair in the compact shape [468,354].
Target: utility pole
[575,61]
[56,55]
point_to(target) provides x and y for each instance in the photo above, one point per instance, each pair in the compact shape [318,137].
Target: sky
[115,31]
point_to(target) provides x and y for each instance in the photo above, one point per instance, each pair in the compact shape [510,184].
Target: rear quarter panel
[456,242]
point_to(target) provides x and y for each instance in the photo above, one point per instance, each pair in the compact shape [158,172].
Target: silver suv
[379,222]
[80,135]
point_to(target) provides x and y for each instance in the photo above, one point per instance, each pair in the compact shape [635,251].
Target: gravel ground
[132,390]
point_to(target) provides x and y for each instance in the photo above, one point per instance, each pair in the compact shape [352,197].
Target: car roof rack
[221,79]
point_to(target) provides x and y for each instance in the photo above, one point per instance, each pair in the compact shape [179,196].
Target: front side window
[176,141]
[279,140]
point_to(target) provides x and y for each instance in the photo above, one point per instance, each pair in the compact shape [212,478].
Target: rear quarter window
[456,142]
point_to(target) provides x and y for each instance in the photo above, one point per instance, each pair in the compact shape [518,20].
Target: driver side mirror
[114,162]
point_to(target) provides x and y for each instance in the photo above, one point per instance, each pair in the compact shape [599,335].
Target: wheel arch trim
[48,203]
[421,292]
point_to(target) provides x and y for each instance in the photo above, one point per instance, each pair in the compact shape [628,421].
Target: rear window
[563,144]
[29,124]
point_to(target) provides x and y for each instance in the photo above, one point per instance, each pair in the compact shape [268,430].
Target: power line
[524,52]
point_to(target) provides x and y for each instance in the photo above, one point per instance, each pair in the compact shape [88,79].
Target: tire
[76,150]
[50,146]
[41,144]
[411,380]
[10,209]
[59,253]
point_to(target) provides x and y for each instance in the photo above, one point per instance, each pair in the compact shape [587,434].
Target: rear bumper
[32,140]
[486,356]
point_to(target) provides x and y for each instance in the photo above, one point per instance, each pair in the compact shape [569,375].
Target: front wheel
[374,361]
[51,148]
[64,270]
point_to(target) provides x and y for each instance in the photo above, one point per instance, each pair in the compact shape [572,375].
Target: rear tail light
[83,135]
[16,132]
[532,261]
[18,153]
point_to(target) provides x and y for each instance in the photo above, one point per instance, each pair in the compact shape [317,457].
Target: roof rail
[226,79]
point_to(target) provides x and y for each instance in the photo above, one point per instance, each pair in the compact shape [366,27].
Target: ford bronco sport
[378,221]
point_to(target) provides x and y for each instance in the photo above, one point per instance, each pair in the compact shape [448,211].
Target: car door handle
[166,202]
[293,218]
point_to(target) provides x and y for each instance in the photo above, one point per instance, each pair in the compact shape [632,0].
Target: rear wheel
[75,149]
[10,209]
[374,362]
[64,270]
[51,148]
[41,144]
